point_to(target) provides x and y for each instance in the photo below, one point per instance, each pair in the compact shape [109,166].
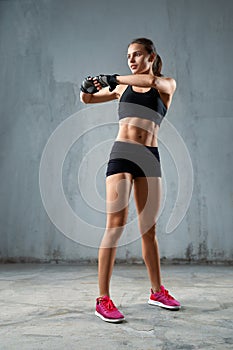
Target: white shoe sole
[157,303]
[111,320]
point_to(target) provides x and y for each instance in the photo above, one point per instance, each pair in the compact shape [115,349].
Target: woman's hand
[92,89]
[88,86]
[104,80]
[97,83]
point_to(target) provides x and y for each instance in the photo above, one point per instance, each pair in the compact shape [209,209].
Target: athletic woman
[144,99]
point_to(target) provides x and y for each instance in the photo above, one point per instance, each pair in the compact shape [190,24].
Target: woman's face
[139,60]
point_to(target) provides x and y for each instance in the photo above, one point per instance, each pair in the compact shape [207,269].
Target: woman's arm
[103,95]
[164,85]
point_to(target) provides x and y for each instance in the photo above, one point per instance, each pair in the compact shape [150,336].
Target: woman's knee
[149,233]
[111,237]
[114,228]
[117,220]
[147,227]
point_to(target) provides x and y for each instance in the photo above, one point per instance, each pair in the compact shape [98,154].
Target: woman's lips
[134,66]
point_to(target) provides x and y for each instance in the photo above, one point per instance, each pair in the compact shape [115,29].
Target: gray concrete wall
[46,48]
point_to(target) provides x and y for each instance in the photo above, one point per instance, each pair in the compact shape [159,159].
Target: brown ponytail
[157,66]
[150,48]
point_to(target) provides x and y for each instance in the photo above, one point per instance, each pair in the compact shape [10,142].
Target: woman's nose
[131,59]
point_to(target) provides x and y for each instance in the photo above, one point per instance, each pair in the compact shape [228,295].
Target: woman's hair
[150,48]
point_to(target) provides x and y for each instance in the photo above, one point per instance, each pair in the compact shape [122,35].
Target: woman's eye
[136,54]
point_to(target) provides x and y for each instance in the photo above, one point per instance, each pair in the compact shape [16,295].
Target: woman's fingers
[97,84]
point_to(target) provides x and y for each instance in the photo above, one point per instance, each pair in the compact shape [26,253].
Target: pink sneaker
[107,311]
[163,299]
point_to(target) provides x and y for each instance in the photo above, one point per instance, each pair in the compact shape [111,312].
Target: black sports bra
[146,105]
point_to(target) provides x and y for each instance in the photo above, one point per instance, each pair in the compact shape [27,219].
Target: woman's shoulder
[169,80]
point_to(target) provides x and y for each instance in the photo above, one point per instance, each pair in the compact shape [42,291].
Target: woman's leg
[118,188]
[147,193]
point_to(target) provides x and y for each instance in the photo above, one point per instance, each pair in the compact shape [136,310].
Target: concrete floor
[52,307]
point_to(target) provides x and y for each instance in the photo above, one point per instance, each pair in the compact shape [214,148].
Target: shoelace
[167,295]
[108,304]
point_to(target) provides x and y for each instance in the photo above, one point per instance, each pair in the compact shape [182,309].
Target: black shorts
[134,158]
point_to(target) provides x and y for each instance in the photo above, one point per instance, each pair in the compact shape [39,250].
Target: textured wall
[46,48]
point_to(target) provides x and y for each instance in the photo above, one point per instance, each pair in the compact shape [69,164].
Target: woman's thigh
[147,195]
[118,189]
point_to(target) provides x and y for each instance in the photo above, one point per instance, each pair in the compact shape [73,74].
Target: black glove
[88,86]
[108,80]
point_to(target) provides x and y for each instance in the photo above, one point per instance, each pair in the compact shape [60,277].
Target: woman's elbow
[153,81]
[85,98]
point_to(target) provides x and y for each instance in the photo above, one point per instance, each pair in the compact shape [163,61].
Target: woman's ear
[152,57]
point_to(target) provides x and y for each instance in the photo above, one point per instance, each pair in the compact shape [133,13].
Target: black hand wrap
[88,86]
[108,80]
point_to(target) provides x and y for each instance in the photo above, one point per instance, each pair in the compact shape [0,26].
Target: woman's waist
[146,142]
[138,124]
[132,150]
[146,136]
